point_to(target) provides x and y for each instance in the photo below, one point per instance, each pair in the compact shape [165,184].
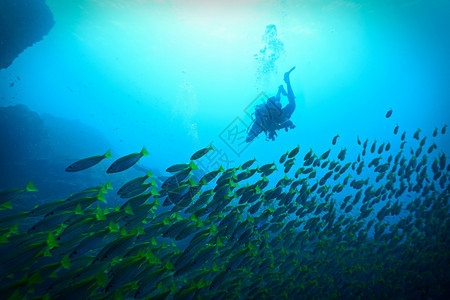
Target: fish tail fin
[214,267]
[30,187]
[101,278]
[154,192]
[6,205]
[107,154]
[65,262]
[192,182]
[193,166]
[108,185]
[100,197]
[144,152]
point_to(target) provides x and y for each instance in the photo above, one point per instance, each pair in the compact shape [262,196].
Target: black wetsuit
[270,116]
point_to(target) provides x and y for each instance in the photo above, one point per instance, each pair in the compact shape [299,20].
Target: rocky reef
[39,148]
[22,23]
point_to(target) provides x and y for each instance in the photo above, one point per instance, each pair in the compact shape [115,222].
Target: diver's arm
[287,125]
[280,91]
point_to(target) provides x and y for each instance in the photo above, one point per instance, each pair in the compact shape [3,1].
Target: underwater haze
[127,170]
[172,75]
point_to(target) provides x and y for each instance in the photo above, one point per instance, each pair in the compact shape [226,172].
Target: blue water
[178,76]
[173,75]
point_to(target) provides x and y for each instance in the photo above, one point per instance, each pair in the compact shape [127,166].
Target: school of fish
[324,227]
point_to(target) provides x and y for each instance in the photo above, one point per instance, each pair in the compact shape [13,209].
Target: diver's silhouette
[270,116]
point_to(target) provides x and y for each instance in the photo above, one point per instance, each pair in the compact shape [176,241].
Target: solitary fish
[389,113]
[423,141]
[416,134]
[134,183]
[283,157]
[176,168]
[418,151]
[359,142]
[341,154]
[201,152]
[335,139]
[179,167]
[435,132]
[248,164]
[126,162]
[211,175]
[308,155]
[443,129]
[87,162]
[380,149]
[372,149]
[13,193]
[388,146]
[325,155]
[294,152]
[433,146]
[396,129]
[403,136]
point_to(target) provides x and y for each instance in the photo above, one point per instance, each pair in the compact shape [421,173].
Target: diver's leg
[290,107]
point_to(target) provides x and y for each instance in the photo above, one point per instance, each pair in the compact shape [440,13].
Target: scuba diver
[270,116]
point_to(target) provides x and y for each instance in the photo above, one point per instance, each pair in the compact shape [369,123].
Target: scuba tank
[262,115]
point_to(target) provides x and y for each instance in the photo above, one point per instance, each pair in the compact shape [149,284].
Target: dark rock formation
[39,148]
[22,23]
[21,134]
[25,135]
